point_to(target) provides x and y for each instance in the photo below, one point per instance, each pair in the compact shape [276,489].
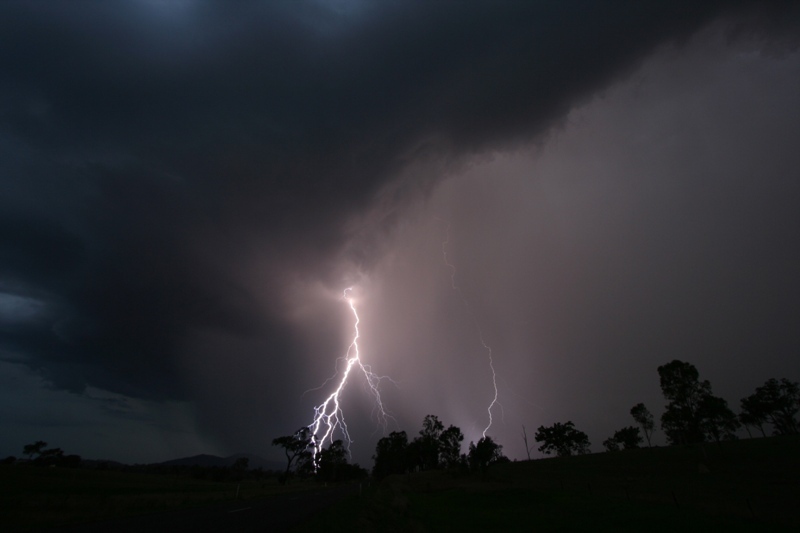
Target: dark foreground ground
[748,485]
[280,512]
[76,499]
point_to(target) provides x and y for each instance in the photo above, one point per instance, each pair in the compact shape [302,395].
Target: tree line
[693,415]
[434,448]
[39,454]
[327,465]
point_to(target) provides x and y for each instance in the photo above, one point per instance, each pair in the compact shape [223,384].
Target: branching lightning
[328,416]
[468,307]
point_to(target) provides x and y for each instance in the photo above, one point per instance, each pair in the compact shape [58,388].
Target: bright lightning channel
[468,307]
[328,416]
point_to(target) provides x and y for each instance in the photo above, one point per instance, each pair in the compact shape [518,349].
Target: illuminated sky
[186,188]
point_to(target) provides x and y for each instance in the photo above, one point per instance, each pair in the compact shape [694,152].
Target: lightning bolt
[328,416]
[468,307]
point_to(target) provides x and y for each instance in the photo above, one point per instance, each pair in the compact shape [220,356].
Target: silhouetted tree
[753,414]
[525,440]
[391,455]
[307,463]
[450,447]
[413,456]
[34,449]
[332,465]
[611,444]
[776,402]
[644,418]
[428,443]
[682,420]
[296,446]
[628,437]
[50,456]
[485,453]
[717,420]
[786,401]
[563,439]
[331,461]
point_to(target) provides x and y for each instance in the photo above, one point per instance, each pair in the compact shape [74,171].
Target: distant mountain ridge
[205,460]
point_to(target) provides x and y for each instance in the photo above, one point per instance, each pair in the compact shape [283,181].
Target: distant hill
[197,460]
[101,463]
[206,460]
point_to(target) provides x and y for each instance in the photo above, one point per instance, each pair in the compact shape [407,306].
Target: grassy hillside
[741,486]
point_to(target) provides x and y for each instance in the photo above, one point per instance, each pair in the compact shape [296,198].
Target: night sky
[187,187]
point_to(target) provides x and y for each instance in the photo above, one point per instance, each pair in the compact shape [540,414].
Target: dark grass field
[748,485]
[34,498]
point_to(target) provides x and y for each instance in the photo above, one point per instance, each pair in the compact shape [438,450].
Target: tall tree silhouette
[295,446]
[681,385]
[644,418]
[428,443]
[485,453]
[391,455]
[776,402]
[717,420]
[450,447]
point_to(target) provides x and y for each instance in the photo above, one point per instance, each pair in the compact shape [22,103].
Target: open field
[741,486]
[37,498]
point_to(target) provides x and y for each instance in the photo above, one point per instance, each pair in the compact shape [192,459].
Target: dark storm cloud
[156,152]
[32,247]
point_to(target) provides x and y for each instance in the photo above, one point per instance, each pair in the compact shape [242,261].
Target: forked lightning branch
[477,326]
[328,416]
